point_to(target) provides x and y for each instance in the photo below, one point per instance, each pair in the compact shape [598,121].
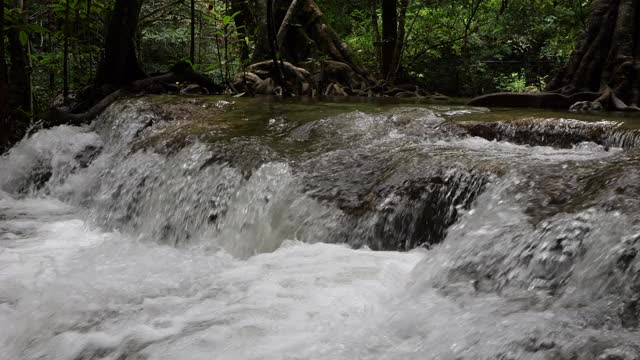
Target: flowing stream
[204,228]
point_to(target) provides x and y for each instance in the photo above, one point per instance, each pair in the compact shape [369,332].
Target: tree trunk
[65,62]
[271,32]
[16,103]
[262,50]
[4,88]
[377,39]
[192,50]
[389,34]
[607,59]
[288,20]
[120,64]
[311,36]
[246,22]
[20,71]
[399,48]
[49,48]
[3,64]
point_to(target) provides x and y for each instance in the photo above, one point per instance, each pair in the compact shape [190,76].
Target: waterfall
[244,229]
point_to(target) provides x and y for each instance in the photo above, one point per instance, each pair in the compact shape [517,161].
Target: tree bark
[326,39]
[3,63]
[377,39]
[65,62]
[289,17]
[389,34]
[262,50]
[314,36]
[192,50]
[273,47]
[246,23]
[16,102]
[399,48]
[4,88]
[20,71]
[607,58]
[120,64]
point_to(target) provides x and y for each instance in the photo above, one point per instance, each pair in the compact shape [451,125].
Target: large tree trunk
[377,39]
[4,88]
[20,71]
[389,34]
[65,61]
[262,50]
[247,22]
[192,49]
[399,45]
[120,64]
[3,64]
[604,68]
[303,32]
[606,60]
[16,105]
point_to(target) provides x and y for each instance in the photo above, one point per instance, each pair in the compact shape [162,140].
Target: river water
[203,228]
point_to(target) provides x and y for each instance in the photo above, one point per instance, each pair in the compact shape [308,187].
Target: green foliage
[166,37]
[458,47]
[515,82]
[361,40]
[468,47]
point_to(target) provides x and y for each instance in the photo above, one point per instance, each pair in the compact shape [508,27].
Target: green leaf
[226,20]
[34,28]
[24,38]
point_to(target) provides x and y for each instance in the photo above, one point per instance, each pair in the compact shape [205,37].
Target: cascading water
[203,229]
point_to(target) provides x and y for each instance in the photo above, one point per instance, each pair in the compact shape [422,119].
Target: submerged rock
[586,106]
[206,218]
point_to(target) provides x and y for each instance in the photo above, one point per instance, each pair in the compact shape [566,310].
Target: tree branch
[293,10]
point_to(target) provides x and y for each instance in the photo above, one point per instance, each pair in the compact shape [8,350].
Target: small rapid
[198,229]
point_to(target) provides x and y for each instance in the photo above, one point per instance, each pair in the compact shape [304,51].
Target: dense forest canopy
[69,54]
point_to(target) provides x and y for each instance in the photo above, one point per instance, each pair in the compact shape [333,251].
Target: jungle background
[53,49]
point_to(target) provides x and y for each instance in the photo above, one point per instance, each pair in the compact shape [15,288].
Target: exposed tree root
[534,100]
[606,62]
[329,78]
[609,100]
[180,73]
[551,100]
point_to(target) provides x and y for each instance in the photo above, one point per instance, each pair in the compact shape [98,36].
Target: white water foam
[70,290]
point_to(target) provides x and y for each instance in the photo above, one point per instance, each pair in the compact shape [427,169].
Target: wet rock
[562,133]
[439,97]
[67,103]
[419,212]
[193,89]
[586,106]
[384,207]
[626,257]
[620,353]
[266,87]
[630,313]
[87,155]
[535,344]
[39,178]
